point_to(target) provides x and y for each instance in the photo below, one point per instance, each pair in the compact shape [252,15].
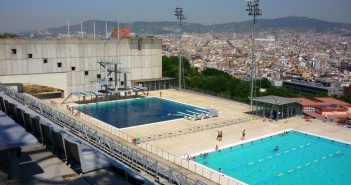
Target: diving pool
[138,111]
[300,159]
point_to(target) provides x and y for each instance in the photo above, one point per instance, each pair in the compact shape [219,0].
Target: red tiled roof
[321,101]
[329,100]
[121,33]
[306,102]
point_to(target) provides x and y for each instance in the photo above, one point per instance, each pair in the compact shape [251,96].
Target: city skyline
[16,15]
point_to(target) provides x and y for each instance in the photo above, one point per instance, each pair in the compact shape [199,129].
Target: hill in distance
[291,24]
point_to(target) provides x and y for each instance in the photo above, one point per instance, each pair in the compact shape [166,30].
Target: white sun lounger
[214,112]
[187,116]
[207,114]
[198,115]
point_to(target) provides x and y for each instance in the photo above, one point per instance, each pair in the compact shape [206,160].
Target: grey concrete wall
[142,57]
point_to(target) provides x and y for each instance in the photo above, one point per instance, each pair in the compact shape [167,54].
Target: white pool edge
[250,140]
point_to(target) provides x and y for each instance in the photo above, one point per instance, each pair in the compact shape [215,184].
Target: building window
[59,64]
[73,68]
[14,51]
[110,79]
[86,72]
[98,76]
[30,55]
[122,82]
[45,60]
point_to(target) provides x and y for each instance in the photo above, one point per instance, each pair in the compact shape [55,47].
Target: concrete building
[314,88]
[275,107]
[325,108]
[120,33]
[70,65]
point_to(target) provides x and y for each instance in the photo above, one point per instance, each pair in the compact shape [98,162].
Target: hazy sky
[25,15]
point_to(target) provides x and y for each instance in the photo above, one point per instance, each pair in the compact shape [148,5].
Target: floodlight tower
[254,10]
[180,16]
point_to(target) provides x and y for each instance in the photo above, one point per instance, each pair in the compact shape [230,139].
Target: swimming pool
[139,111]
[300,159]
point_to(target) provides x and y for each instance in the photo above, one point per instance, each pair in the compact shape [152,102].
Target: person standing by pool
[216,148]
[219,135]
[160,94]
[243,135]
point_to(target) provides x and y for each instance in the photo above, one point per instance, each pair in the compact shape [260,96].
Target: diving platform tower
[110,70]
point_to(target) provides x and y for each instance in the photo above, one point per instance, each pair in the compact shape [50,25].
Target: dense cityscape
[310,59]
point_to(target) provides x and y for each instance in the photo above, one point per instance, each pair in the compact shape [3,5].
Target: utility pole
[94,29]
[117,28]
[180,16]
[81,29]
[254,10]
[68,33]
[106,30]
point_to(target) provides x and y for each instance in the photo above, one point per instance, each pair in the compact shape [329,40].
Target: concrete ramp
[20,116]
[47,137]
[12,135]
[59,147]
[36,128]
[2,104]
[6,104]
[28,122]
[85,157]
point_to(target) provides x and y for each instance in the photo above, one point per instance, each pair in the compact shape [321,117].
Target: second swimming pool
[300,159]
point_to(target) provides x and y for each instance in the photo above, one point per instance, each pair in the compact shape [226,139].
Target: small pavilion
[275,107]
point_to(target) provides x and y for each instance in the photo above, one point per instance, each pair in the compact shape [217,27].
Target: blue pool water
[301,159]
[134,112]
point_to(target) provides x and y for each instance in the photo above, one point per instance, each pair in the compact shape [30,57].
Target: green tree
[264,83]
[7,35]
[218,82]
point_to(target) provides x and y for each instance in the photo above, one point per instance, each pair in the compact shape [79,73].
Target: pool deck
[206,140]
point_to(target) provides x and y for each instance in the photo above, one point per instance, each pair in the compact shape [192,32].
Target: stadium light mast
[180,16]
[254,10]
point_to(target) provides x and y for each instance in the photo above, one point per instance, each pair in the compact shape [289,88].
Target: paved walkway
[206,140]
